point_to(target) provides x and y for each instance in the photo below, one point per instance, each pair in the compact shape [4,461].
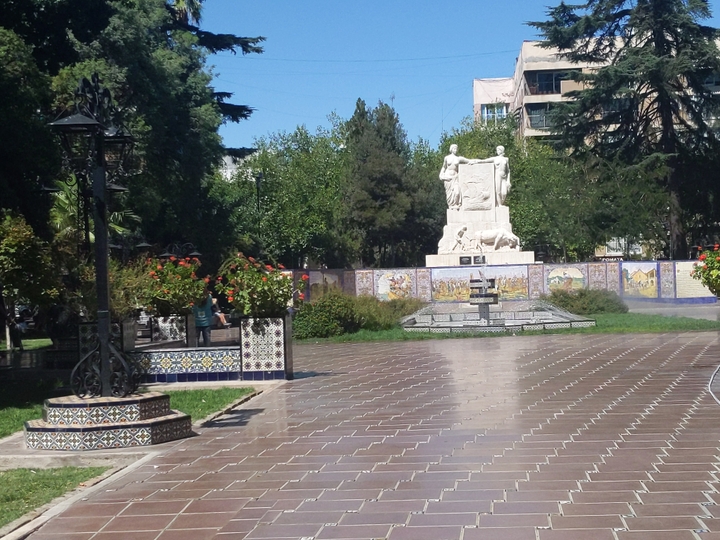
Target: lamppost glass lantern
[91,151]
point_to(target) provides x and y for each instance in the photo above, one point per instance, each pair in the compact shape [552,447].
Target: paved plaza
[584,437]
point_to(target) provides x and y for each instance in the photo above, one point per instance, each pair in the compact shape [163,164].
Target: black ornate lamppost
[187,249]
[94,148]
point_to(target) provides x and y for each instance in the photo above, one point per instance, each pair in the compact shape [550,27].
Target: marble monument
[478,221]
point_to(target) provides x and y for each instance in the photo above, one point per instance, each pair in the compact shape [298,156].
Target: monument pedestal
[474,258]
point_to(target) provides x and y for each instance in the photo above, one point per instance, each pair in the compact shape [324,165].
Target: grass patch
[202,402]
[27,489]
[20,402]
[31,344]
[606,323]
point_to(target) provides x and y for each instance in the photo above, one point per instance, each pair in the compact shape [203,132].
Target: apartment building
[540,80]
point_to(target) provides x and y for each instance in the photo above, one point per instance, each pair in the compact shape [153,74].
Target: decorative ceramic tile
[536,281]
[566,277]
[262,344]
[201,360]
[667,279]
[597,275]
[364,283]
[424,284]
[70,410]
[613,276]
[394,284]
[71,423]
[349,282]
[639,279]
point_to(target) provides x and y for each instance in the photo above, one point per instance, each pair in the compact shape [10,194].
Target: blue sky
[321,56]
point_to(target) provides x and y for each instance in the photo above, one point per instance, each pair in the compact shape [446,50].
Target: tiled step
[42,435]
[100,411]
[73,423]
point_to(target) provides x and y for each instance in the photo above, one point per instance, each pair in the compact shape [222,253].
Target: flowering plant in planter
[174,286]
[255,289]
[707,269]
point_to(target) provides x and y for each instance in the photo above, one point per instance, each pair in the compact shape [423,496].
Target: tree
[646,104]
[26,269]
[376,193]
[27,154]
[297,215]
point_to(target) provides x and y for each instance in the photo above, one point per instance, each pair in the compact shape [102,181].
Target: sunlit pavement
[546,438]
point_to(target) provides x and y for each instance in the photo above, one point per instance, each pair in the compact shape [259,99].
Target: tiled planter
[266,345]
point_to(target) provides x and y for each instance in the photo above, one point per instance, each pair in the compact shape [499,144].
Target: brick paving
[587,437]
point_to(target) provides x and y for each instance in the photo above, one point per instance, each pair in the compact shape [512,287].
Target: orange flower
[702,257]
[716,247]
[251,259]
[264,278]
[717,259]
[193,275]
[159,266]
[173,258]
[704,266]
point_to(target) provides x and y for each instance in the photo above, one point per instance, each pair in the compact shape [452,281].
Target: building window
[546,82]
[539,115]
[493,112]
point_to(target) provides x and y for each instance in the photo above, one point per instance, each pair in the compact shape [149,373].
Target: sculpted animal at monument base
[499,239]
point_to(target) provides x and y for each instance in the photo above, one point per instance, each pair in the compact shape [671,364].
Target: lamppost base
[100,423]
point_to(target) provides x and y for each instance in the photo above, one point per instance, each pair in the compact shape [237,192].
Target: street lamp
[187,249]
[258,185]
[92,149]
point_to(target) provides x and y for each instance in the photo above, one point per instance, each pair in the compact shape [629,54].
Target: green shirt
[203,313]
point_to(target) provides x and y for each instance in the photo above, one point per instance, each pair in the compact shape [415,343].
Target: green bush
[336,313]
[333,314]
[376,315]
[587,301]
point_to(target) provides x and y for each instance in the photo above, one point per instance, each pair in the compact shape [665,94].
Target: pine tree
[646,104]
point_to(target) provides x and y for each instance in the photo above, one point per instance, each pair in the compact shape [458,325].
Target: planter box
[266,345]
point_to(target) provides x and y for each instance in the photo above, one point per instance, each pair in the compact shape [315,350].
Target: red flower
[159,266]
[702,257]
[301,296]
[281,267]
[172,258]
[305,277]
[717,259]
[269,267]
[218,279]
[230,299]
[251,259]
[264,278]
[699,248]
[704,266]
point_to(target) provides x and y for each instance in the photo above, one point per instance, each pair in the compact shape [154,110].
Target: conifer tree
[645,103]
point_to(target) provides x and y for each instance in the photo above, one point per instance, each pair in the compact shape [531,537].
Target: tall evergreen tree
[646,104]
[376,195]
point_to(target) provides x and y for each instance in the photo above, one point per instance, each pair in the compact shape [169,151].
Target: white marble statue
[502,174]
[449,175]
[499,239]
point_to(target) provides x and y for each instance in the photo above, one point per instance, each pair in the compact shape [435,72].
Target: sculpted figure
[449,175]
[502,174]
[461,240]
[497,238]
